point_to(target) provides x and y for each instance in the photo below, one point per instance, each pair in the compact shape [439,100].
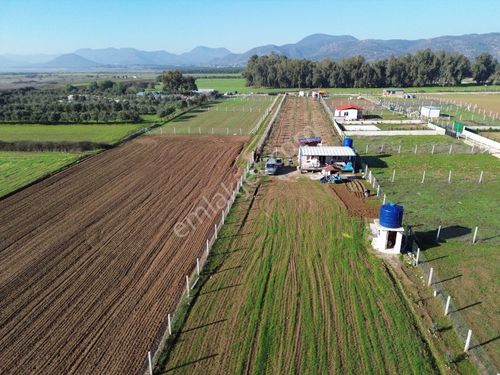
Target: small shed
[430,111]
[316,158]
[349,112]
[393,91]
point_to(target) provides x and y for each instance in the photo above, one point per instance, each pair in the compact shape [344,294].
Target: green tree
[174,82]
[483,68]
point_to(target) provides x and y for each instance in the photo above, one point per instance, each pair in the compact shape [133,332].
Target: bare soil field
[89,261]
[350,196]
[300,117]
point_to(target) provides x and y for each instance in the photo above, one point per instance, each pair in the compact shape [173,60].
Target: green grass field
[224,117]
[108,134]
[20,168]
[290,288]
[238,84]
[470,270]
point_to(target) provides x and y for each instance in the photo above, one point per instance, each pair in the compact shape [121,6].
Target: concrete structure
[386,240]
[430,111]
[348,112]
[316,158]
[394,91]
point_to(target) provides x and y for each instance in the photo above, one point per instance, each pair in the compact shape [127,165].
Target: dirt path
[89,261]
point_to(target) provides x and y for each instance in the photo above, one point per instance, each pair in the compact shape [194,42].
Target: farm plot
[90,263]
[299,117]
[107,134]
[291,289]
[458,203]
[20,168]
[489,102]
[234,116]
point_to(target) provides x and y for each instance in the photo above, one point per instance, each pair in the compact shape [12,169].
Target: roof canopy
[394,89]
[326,151]
[348,106]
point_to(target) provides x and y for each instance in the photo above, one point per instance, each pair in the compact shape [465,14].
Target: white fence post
[423,178]
[430,277]
[207,248]
[449,177]
[447,307]
[467,341]
[451,148]
[150,363]
[418,256]
[383,202]
[198,266]
[215,231]
[187,285]
[399,149]
[393,175]
[481,177]
[438,233]
[475,235]
[432,152]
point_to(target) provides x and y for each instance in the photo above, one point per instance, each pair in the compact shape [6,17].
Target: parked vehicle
[271,167]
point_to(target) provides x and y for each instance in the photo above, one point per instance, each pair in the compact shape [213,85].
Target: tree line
[424,68]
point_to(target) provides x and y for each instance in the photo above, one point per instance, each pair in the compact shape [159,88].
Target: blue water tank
[347,142]
[391,215]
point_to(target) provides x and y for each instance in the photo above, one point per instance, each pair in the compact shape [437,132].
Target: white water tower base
[386,240]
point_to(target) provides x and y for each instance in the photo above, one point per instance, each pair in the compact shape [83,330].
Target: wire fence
[472,347]
[166,329]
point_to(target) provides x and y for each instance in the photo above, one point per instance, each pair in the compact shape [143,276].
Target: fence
[332,118]
[192,279]
[263,117]
[472,345]
[267,130]
[166,329]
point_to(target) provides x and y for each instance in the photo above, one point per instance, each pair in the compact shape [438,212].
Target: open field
[89,262]
[224,117]
[20,168]
[300,117]
[467,113]
[107,134]
[291,289]
[469,272]
[489,102]
[238,84]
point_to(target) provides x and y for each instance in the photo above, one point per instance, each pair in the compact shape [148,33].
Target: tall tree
[483,68]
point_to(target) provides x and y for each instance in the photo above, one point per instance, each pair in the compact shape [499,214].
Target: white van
[271,167]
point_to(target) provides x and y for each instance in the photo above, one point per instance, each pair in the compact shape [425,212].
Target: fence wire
[459,323]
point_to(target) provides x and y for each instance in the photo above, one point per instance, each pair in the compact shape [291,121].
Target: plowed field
[89,261]
[300,117]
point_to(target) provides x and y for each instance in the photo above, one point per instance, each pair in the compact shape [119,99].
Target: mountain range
[314,47]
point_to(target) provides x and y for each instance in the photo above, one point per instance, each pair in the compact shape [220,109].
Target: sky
[52,27]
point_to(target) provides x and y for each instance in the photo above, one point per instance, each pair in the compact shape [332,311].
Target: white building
[348,112]
[429,111]
[315,158]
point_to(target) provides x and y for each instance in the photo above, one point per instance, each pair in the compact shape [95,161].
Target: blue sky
[50,26]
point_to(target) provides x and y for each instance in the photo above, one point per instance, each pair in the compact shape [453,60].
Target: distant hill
[314,47]
[321,46]
[69,61]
